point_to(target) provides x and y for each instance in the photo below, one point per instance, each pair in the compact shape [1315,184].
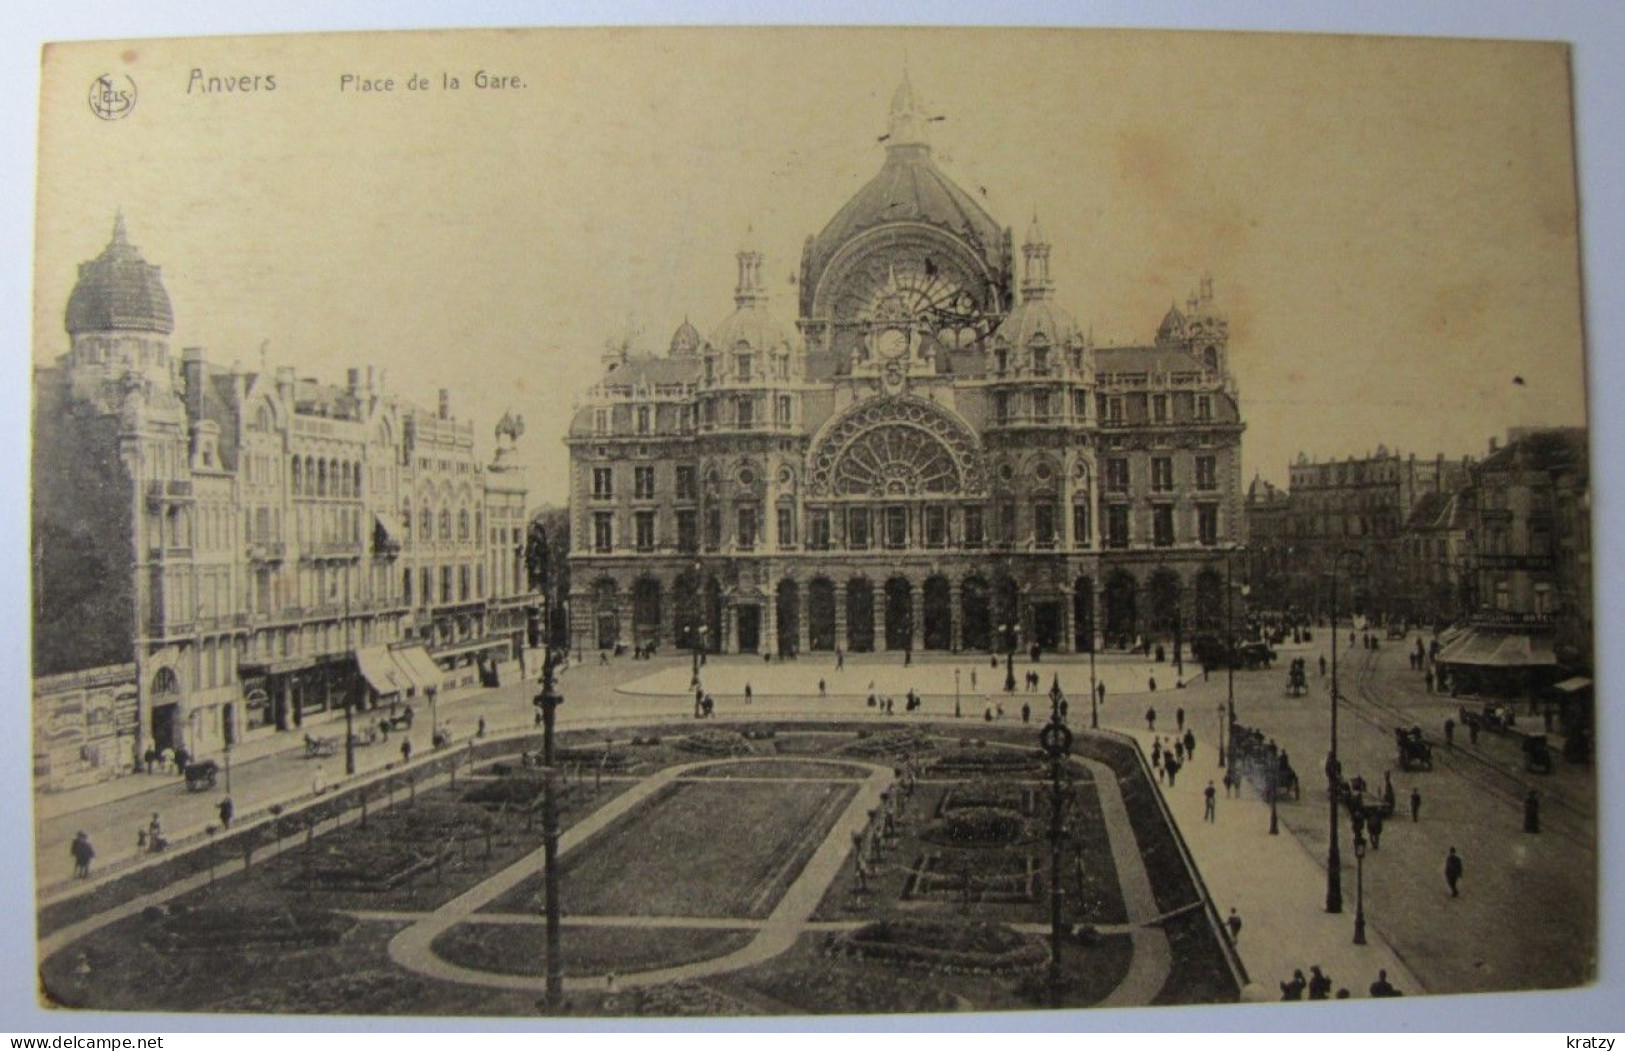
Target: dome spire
[749,289]
[908,117]
[1035,282]
[119,236]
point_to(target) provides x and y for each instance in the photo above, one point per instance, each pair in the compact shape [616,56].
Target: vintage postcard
[787,522]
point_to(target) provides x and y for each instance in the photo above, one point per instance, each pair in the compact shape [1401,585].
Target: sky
[1390,224]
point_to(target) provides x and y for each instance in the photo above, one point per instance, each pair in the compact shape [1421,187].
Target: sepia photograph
[775,522]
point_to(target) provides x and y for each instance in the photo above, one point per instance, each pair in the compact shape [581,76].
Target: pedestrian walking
[406,749]
[1173,770]
[1156,752]
[182,758]
[1320,985]
[1179,718]
[1428,678]
[973,677]
[1229,783]
[1152,683]
[155,834]
[1416,805]
[1190,744]
[823,690]
[151,758]
[1452,871]
[1293,990]
[1151,719]
[1450,733]
[82,853]
[747,693]
[1026,712]
[1382,988]
[1472,731]
[1388,789]
[1373,828]
[840,659]
[1322,665]
[1233,921]
[1531,811]
[226,812]
[1209,795]
[318,782]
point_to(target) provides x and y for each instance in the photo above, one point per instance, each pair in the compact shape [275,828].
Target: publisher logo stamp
[112,96]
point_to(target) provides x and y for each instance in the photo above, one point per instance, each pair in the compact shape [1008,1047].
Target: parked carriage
[201,776]
[321,747]
[1492,716]
[1415,753]
[398,720]
[1537,754]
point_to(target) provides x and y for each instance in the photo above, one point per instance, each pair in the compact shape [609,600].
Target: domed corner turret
[752,327]
[1039,328]
[1172,329]
[119,291]
[686,341]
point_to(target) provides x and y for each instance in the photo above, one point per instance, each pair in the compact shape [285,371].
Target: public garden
[769,866]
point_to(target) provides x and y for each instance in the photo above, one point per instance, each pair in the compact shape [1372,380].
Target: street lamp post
[1094,687]
[1359,885]
[1275,789]
[548,700]
[1223,728]
[1056,741]
[956,693]
[1334,857]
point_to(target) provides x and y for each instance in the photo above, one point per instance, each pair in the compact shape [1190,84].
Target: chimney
[445,404]
[354,377]
[1495,444]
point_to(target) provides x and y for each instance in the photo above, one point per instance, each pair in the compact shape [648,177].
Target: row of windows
[467,528]
[336,478]
[897,527]
[643,482]
[1162,474]
[455,584]
[1157,408]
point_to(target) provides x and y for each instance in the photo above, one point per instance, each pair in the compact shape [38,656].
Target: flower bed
[890,744]
[993,877]
[519,791]
[370,866]
[181,929]
[985,762]
[715,742]
[978,794]
[976,828]
[942,945]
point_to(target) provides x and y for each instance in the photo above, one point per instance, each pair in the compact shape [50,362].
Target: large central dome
[909,188]
[119,291]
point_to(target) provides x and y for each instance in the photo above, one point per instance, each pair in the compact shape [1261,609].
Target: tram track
[1561,815]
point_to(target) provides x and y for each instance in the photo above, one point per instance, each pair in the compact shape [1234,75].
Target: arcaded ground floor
[988,602]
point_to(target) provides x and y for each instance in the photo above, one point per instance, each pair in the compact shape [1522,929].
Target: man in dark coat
[82,853]
[1320,985]
[1293,990]
[226,812]
[1416,804]
[1452,871]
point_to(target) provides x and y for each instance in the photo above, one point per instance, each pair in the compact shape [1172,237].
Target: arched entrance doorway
[787,608]
[686,610]
[939,621]
[1210,617]
[711,630]
[1164,587]
[646,611]
[899,614]
[1121,616]
[860,615]
[1083,615]
[1007,613]
[165,705]
[606,618]
[821,614]
[974,615]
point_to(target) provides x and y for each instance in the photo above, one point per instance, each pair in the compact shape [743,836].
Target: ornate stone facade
[924,461]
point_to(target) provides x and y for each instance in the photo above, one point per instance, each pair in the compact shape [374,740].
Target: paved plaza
[1425,940]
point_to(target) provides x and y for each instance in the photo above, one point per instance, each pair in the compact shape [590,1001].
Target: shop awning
[391,530]
[476,646]
[381,673]
[419,667]
[1574,685]
[1487,649]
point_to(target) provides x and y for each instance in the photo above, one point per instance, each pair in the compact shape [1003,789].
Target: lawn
[518,948]
[696,848]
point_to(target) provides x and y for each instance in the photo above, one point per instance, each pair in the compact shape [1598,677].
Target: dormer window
[1001,360]
[744,368]
[1040,361]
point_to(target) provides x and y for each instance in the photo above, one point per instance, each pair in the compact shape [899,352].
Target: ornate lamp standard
[1334,858]
[1056,740]
[1094,688]
[548,700]
[1229,647]
[1359,882]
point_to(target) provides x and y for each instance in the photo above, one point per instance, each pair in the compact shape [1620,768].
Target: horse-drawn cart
[321,747]
[201,776]
[1415,753]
